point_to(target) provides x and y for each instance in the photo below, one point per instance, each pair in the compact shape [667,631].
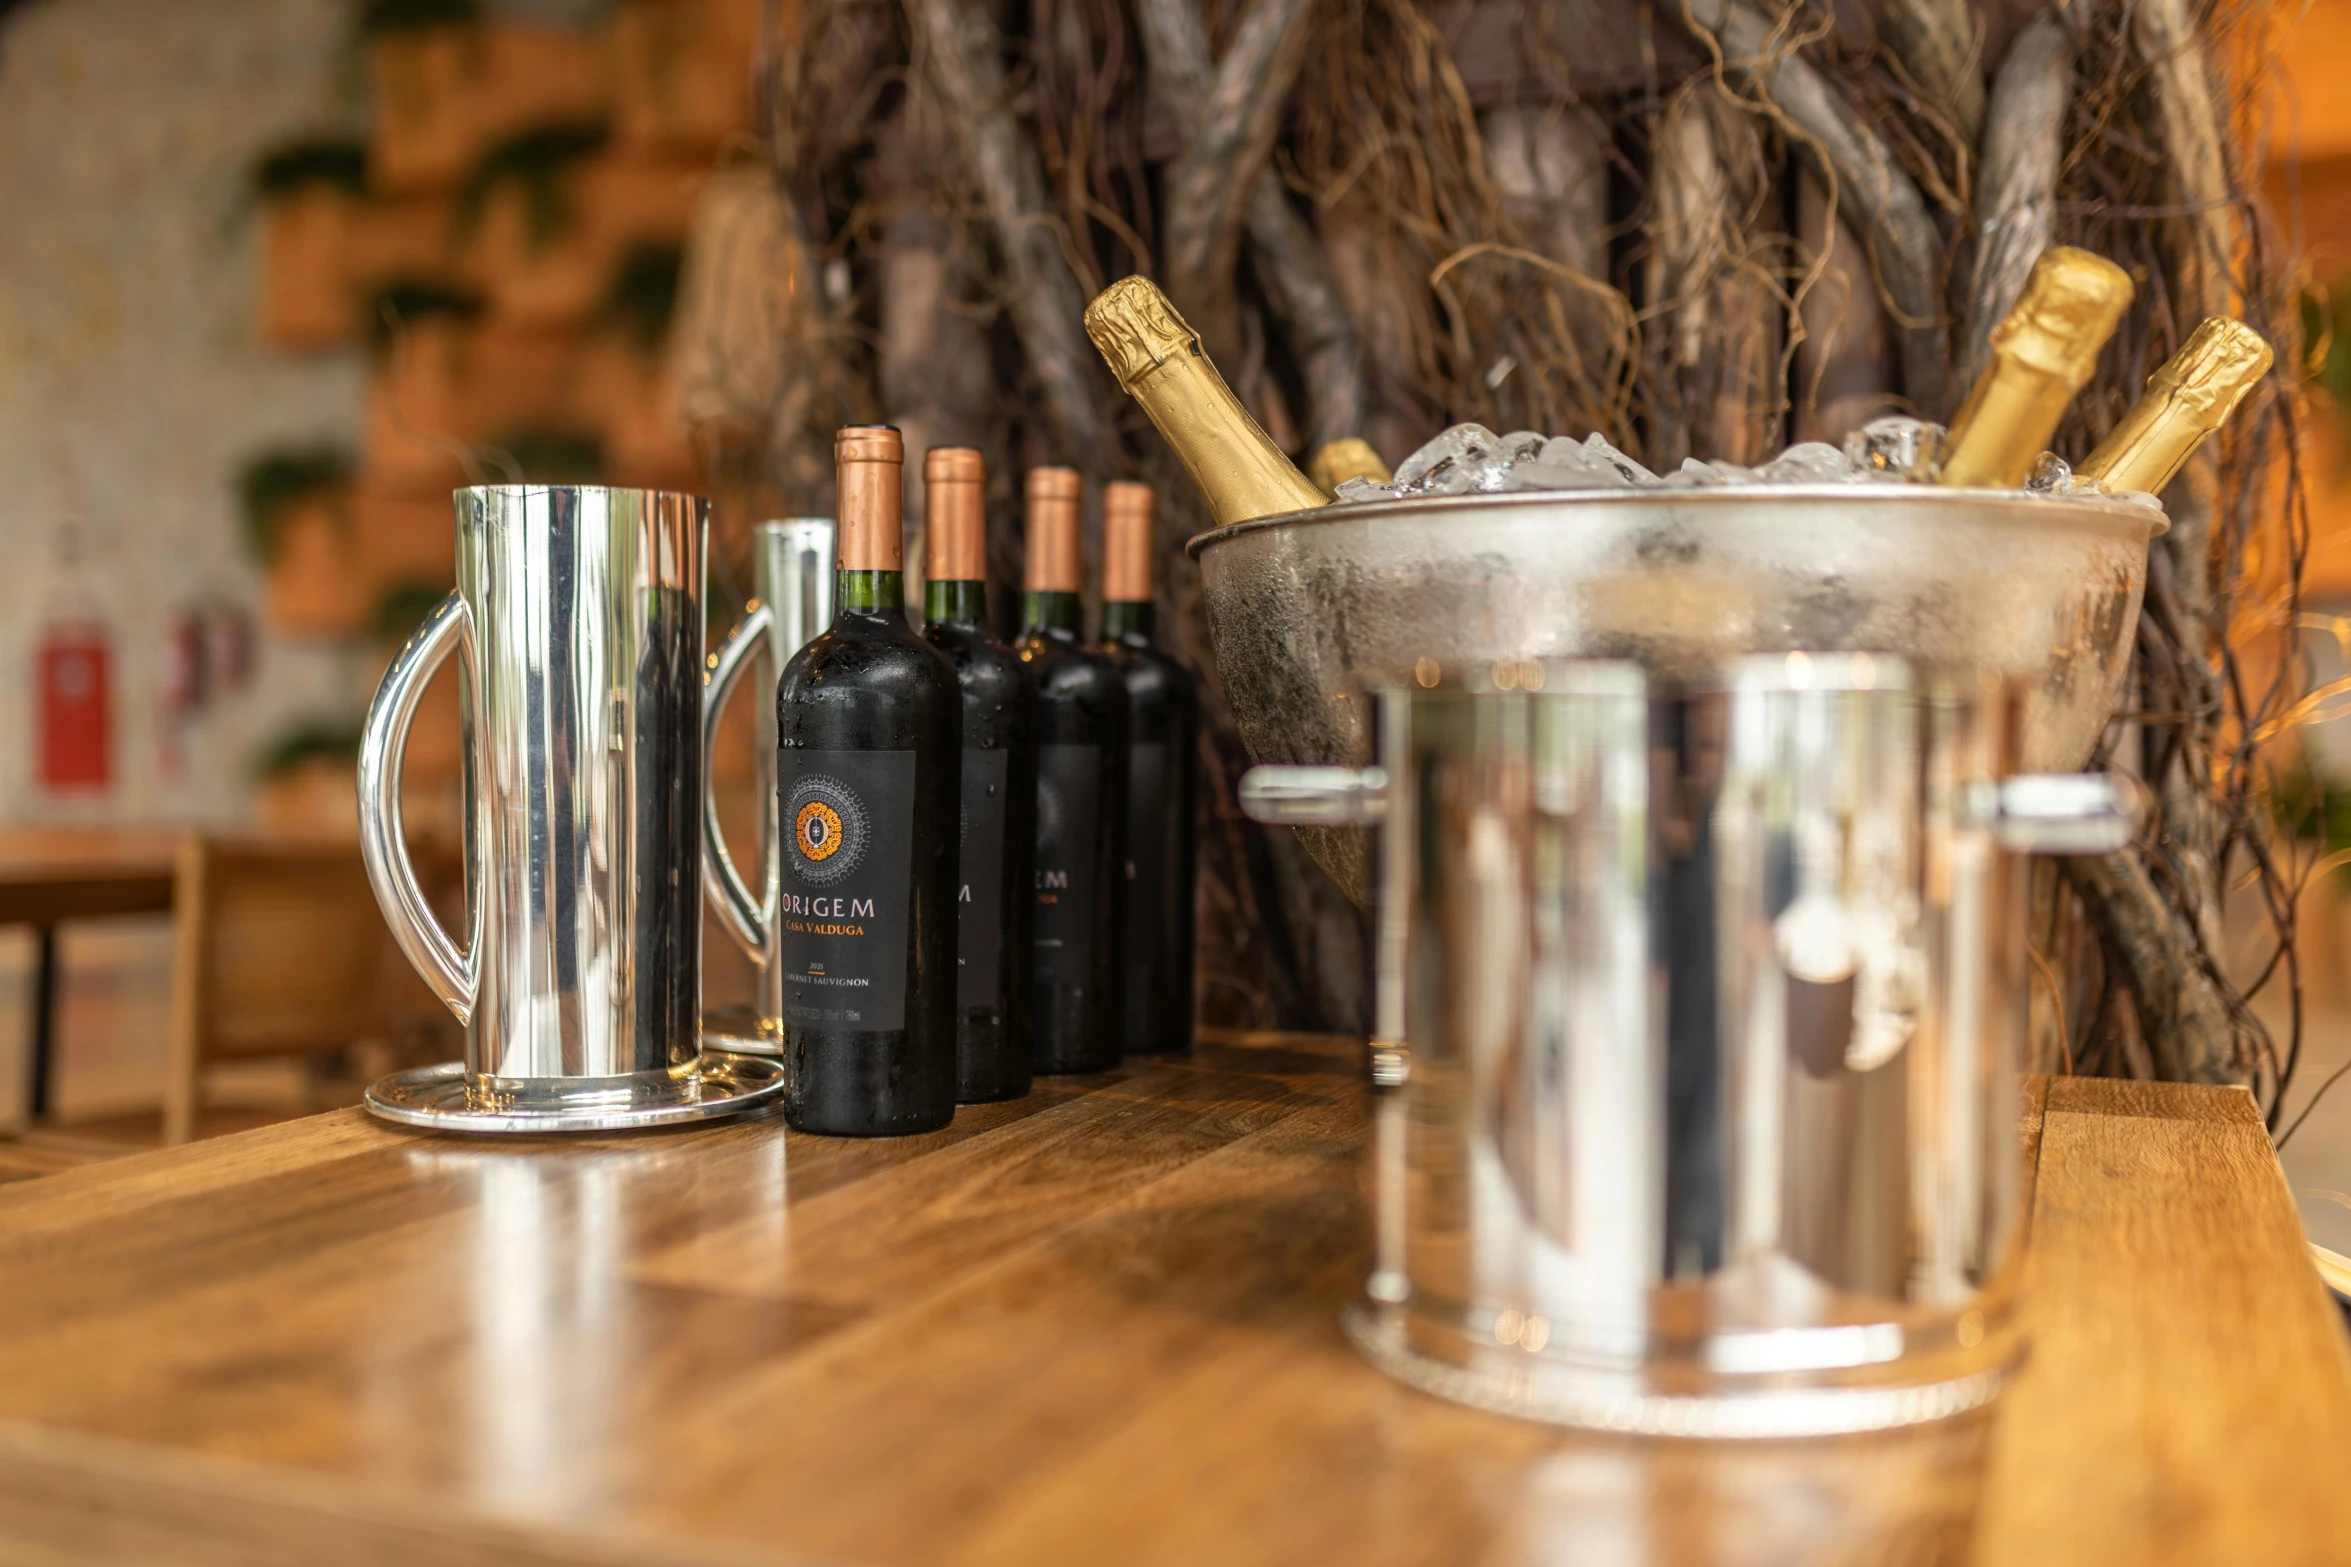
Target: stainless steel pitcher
[578,617]
[792,584]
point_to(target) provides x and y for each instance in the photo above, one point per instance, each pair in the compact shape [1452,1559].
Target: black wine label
[1150,847]
[848,884]
[979,891]
[1069,796]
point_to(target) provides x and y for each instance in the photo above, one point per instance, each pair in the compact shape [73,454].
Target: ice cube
[1897,447]
[1464,458]
[1598,446]
[2051,475]
[1695,474]
[1350,490]
[1562,464]
[1807,462]
[1523,445]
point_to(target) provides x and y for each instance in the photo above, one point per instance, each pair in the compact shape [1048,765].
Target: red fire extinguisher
[74,663]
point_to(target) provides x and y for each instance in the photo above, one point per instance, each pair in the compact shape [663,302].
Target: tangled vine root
[1649,250]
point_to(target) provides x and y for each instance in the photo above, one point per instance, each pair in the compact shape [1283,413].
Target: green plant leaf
[378,17]
[643,298]
[270,483]
[338,163]
[312,740]
[537,160]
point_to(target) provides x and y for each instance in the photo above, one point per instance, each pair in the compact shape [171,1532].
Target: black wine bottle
[1075,1009]
[868,729]
[995,897]
[1163,714]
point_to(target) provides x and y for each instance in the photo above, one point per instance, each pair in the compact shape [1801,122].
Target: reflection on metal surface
[1306,608]
[578,610]
[1712,997]
[792,578]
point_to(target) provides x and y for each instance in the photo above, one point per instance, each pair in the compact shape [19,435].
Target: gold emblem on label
[818,827]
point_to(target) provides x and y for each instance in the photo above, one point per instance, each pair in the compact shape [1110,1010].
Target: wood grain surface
[1095,1325]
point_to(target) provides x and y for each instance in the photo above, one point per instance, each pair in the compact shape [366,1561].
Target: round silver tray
[740,1031]
[440,1098]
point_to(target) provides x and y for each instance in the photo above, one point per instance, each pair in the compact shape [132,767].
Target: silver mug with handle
[577,622]
[792,587]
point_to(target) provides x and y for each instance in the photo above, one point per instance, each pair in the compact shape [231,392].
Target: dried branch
[2016,193]
[2185,1019]
[1289,255]
[1940,44]
[1298,280]
[1905,248]
[956,50]
[1229,118]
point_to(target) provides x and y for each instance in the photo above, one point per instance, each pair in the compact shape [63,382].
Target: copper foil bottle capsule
[1130,513]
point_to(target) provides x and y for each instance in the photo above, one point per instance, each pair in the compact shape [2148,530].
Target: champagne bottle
[995,866]
[868,726]
[1074,1008]
[2043,350]
[1162,720]
[2189,398]
[1159,360]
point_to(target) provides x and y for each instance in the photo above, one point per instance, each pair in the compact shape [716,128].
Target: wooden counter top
[1093,1326]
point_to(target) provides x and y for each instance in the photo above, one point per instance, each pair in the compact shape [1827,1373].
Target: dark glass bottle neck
[870,592]
[1055,612]
[1128,620]
[965,603]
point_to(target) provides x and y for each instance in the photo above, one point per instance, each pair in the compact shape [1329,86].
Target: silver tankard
[578,617]
[792,587]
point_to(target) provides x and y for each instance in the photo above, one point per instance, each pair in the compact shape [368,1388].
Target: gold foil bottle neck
[1130,514]
[871,464]
[1056,562]
[2191,396]
[1157,357]
[955,514]
[2042,352]
[1349,457]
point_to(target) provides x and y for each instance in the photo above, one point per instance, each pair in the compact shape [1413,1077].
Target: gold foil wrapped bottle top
[1130,512]
[1157,357]
[2042,352]
[2189,398]
[871,461]
[1349,457]
[1056,563]
[955,514]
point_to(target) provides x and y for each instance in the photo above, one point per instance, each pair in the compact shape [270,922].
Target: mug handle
[746,918]
[389,870]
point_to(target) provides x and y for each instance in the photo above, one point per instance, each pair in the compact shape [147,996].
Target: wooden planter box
[681,72]
[612,203]
[400,539]
[403,239]
[306,294]
[313,586]
[416,406]
[445,95]
[633,400]
[519,378]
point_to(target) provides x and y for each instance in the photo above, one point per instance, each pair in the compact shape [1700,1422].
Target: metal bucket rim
[2007,506]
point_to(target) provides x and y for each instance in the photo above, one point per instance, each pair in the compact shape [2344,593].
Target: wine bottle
[1349,457]
[1162,721]
[1157,357]
[995,882]
[2189,398]
[1075,1011]
[2043,351]
[868,730]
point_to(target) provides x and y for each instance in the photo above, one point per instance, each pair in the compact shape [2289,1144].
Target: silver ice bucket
[1304,609]
[577,619]
[1700,1011]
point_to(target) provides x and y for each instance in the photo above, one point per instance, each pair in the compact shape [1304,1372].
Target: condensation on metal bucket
[1695,1084]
